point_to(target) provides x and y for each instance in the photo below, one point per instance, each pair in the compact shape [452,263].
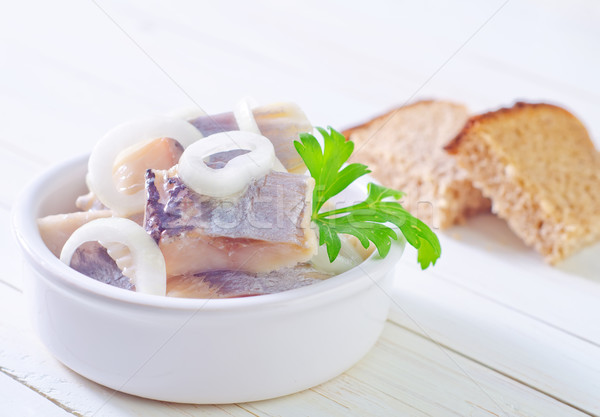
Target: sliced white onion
[245,117]
[146,268]
[245,120]
[237,173]
[100,164]
[186,113]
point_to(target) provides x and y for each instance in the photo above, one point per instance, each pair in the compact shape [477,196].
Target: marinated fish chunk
[131,163]
[88,202]
[281,123]
[92,259]
[265,228]
[130,167]
[229,284]
[57,228]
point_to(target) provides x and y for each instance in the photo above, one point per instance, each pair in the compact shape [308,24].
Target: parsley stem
[342,210]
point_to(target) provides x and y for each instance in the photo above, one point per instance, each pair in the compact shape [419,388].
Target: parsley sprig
[367,220]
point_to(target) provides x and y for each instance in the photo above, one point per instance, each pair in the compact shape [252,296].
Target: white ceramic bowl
[192,350]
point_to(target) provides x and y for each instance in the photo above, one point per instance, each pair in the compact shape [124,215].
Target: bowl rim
[37,255]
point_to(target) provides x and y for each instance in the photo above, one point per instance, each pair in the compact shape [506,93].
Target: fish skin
[266,228]
[281,123]
[93,260]
[230,284]
[216,123]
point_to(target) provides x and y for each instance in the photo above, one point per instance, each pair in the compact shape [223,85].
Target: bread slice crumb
[542,172]
[404,149]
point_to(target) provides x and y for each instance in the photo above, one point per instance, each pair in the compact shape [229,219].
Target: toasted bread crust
[383,117]
[404,148]
[454,144]
[539,166]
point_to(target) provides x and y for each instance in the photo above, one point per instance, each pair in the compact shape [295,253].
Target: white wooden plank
[461,387]
[11,256]
[18,400]
[526,349]
[487,258]
[59,112]
[22,169]
[408,375]
[89,49]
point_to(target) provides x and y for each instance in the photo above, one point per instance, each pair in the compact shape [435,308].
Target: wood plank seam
[387,394]
[450,281]
[54,401]
[446,349]
[322,394]
[245,409]
[9,285]
[24,152]
[393,300]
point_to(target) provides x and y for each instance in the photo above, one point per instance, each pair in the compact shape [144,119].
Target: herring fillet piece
[229,284]
[56,229]
[281,123]
[92,259]
[266,228]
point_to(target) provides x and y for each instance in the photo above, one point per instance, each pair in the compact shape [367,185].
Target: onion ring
[245,117]
[238,172]
[147,271]
[100,164]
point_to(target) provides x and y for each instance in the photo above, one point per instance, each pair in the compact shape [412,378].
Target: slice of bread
[542,172]
[404,149]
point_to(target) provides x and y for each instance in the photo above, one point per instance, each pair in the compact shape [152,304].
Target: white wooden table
[490,330]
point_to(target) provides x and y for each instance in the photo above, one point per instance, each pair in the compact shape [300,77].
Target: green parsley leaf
[324,164]
[369,220]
